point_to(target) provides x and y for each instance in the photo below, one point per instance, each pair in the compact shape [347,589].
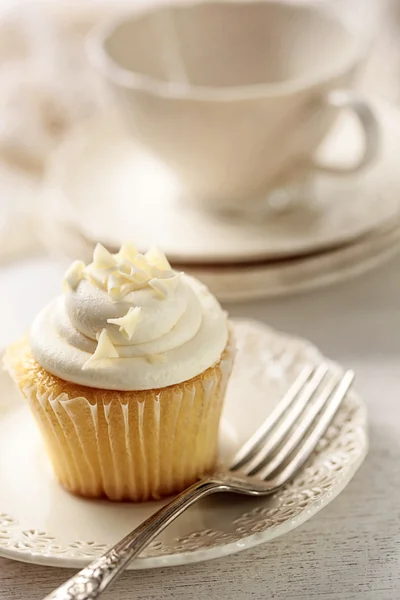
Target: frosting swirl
[127,321]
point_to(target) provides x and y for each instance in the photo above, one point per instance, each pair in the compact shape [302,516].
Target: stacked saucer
[99,187]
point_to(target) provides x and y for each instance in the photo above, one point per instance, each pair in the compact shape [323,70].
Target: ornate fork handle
[90,582]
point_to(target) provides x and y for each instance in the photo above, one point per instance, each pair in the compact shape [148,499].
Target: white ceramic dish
[268,279]
[109,192]
[286,277]
[41,523]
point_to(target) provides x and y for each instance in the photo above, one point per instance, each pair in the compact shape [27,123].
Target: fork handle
[91,581]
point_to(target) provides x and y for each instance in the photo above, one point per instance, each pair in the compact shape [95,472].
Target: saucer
[239,282]
[284,277]
[109,191]
[41,523]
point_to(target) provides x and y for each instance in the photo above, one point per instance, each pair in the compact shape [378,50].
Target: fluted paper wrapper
[126,445]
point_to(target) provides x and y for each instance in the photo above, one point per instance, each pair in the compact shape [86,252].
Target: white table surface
[349,551]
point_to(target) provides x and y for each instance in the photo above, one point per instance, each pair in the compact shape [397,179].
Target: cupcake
[125,374]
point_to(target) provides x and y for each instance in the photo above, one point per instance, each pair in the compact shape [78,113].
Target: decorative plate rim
[196,556]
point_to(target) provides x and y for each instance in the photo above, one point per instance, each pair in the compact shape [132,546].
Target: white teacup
[234,97]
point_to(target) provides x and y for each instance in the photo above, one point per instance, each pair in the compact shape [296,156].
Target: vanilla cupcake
[126,374]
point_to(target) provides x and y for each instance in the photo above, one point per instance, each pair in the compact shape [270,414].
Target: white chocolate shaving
[133,274]
[128,271]
[165,287]
[105,349]
[157,258]
[125,267]
[128,323]
[125,289]
[141,263]
[97,276]
[115,282]
[102,258]
[74,274]
[127,251]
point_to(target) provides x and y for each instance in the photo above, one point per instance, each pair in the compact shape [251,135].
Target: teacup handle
[343,99]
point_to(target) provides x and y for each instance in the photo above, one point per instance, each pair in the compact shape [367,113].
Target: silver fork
[268,460]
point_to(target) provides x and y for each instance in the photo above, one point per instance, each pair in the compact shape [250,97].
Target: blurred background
[50,95]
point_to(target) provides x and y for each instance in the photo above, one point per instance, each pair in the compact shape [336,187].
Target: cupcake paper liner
[125,445]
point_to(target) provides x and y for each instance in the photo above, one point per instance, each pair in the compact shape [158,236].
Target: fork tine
[297,433]
[261,452]
[322,424]
[251,445]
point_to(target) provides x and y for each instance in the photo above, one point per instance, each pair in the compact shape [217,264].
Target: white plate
[43,524]
[111,193]
[280,278]
[236,283]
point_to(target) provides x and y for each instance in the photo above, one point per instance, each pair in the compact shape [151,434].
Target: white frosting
[129,322]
